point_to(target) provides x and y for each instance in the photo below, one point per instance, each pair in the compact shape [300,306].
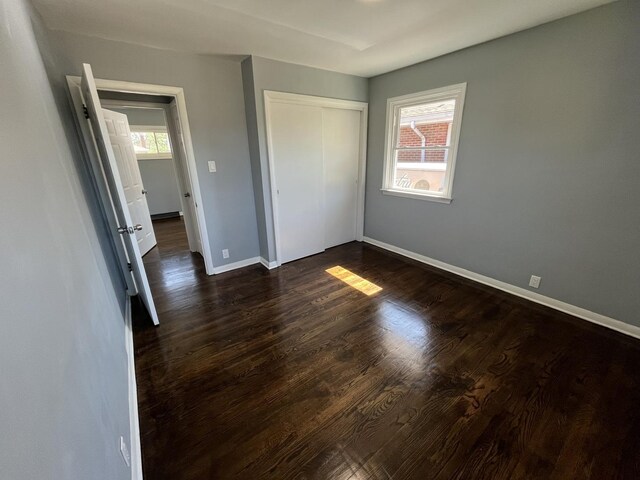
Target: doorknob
[144,192]
[129,230]
[187,195]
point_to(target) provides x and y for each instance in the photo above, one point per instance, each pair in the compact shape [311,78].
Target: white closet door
[296,139]
[341,141]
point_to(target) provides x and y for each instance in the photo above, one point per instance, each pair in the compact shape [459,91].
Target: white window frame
[154,129]
[456,92]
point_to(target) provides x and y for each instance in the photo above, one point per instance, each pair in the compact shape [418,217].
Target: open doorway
[159,169]
[145,103]
[103,109]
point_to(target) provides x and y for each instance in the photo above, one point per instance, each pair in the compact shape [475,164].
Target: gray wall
[142,116]
[260,74]
[548,165]
[159,179]
[158,175]
[63,381]
[215,104]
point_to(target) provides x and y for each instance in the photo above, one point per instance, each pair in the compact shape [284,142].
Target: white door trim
[178,94]
[134,420]
[271,97]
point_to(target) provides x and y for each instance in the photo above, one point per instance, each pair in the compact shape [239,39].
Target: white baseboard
[244,263]
[134,425]
[268,265]
[235,265]
[579,312]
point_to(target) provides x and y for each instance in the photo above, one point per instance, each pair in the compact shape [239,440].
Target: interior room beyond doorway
[158,168]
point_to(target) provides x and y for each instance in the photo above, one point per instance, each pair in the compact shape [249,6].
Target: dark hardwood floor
[293,373]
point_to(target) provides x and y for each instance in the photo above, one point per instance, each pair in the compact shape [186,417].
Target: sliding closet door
[296,140]
[341,151]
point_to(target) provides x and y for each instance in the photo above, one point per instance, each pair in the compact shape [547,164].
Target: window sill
[418,196]
[161,156]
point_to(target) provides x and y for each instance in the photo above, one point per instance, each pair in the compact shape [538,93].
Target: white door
[184,181]
[341,153]
[122,145]
[296,139]
[118,198]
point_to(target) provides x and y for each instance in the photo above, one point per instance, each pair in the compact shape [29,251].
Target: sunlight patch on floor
[353,280]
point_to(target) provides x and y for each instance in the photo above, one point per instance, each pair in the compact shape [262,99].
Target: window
[150,142]
[422,139]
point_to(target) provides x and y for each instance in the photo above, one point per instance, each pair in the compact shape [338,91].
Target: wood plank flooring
[293,373]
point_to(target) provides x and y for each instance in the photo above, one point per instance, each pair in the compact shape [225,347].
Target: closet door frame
[271,97]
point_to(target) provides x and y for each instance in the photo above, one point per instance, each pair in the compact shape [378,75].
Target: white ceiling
[362,37]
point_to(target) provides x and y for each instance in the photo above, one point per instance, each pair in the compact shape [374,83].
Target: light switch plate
[212,166]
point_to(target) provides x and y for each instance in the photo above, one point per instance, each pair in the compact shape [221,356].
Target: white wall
[63,367]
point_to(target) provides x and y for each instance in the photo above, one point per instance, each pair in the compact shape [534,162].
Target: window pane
[422,155]
[162,140]
[426,125]
[422,176]
[144,142]
[420,147]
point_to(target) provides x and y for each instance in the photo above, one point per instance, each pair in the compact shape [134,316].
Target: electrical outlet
[212,166]
[125,452]
[535,281]
[225,253]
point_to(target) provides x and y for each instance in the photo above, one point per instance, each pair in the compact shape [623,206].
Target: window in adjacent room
[421,143]
[150,142]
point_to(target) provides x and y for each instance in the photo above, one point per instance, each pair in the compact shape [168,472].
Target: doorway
[158,168]
[109,146]
[115,94]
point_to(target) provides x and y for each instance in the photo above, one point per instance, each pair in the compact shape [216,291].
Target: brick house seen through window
[423,126]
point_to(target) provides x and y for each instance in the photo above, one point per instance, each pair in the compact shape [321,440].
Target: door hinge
[130,267]
[86,112]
